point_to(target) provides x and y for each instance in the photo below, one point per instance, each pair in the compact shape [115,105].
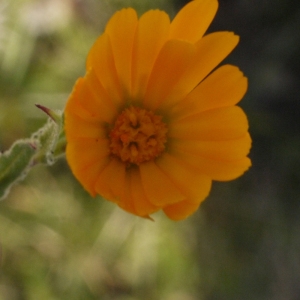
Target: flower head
[151,123]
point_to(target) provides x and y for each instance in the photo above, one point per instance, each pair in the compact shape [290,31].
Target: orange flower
[147,127]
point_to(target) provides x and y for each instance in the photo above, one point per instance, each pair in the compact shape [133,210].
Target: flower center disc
[138,136]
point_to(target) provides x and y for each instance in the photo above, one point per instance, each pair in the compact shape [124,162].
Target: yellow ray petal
[159,189]
[121,30]
[75,126]
[169,67]
[193,184]
[210,51]
[87,158]
[181,210]
[152,32]
[111,181]
[140,201]
[233,149]
[220,170]
[224,87]
[101,60]
[213,125]
[193,20]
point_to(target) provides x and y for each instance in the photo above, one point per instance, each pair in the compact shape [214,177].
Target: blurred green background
[244,243]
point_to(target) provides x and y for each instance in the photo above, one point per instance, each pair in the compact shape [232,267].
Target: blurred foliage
[58,243]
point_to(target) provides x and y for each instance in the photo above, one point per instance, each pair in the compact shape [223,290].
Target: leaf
[46,139]
[44,146]
[14,164]
[49,136]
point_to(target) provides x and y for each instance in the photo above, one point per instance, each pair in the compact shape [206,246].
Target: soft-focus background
[244,243]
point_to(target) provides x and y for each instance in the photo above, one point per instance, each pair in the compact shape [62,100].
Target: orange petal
[221,170]
[193,184]
[121,30]
[169,67]
[152,32]
[181,210]
[224,87]
[126,201]
[213,125]
[111,181]
[101,60]
[88,176]
[193,20]
[87,167]
[104,105]
[90,101]
[74,105]
[210,51]
[159,189]
[85,151]
[141,203]
[233,149]
[75,126]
